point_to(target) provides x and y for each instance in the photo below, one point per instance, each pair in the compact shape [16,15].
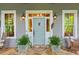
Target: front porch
[35,51]
[39,22]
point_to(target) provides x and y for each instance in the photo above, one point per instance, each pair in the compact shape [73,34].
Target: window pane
[39,14]
[30,25]
[9,24]
[69,24]
[48,25]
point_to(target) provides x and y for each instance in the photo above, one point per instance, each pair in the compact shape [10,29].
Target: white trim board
[75,22]
[3,21]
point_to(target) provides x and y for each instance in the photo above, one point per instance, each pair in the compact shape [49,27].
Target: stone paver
[36,51]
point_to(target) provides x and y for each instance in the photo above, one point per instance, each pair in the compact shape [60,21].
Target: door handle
[33,33]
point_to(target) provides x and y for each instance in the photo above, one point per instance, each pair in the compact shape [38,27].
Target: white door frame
[47,34]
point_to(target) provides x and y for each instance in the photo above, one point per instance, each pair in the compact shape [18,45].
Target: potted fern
[23,43]
[54,43]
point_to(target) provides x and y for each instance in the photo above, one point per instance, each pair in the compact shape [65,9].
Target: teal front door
[38,31]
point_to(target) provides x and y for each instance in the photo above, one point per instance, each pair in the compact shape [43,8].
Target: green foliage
[69,21]
[24,40]
[54,40]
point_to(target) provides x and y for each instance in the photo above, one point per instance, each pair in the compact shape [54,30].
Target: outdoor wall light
[54,17]
[23,16]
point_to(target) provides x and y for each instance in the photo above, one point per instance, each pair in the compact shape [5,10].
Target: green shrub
[54,40]
[23,40]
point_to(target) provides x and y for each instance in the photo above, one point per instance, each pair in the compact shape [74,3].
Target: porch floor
[34,51]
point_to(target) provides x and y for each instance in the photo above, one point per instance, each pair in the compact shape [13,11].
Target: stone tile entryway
[39,50]
[35,50]
[44,50]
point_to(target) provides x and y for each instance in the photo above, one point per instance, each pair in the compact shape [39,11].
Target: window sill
[10,37]
[72,37]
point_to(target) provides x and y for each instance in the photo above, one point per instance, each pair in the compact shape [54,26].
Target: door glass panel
[69,24]
[39,14]
[30,25]
[9,24]
[48,25]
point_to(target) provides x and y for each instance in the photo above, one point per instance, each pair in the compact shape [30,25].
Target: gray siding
[20,8]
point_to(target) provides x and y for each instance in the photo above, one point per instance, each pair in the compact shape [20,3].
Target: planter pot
[55,48]
[22,48]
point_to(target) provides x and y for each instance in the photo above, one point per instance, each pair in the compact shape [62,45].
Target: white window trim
[3,20]
[75,22]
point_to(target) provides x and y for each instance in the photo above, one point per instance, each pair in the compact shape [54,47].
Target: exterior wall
[20,24]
